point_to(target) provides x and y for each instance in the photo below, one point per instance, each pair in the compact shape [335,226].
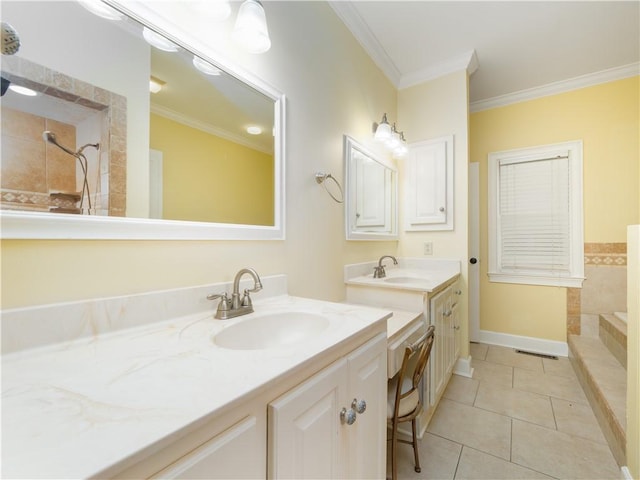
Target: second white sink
[271,331]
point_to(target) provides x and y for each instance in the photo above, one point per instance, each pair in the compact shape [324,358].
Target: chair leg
[394,442]
[415,446]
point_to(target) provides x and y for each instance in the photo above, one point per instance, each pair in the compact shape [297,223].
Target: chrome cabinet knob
[441,209]
[348,416]
[359,405]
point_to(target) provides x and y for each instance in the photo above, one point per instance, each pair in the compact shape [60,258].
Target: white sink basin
[401,280]
[271,331]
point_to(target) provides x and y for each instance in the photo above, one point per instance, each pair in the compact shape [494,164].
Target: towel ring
[321,177]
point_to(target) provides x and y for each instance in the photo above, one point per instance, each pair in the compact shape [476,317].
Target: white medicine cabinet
[428,185]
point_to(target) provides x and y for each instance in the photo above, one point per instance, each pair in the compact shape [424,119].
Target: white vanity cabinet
[315,430]
[232,446]
[444,314]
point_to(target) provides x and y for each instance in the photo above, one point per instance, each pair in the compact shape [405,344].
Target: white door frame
[474,251]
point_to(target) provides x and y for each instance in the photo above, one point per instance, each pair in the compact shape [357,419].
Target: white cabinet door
[305,433]
[428,185]
[234,453]
[308,437]
[439,306]
[367,437]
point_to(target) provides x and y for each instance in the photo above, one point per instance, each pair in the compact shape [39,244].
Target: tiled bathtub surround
[604,289]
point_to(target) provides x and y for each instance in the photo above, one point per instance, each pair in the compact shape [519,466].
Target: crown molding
[583,81]
[467,61]
[359,29]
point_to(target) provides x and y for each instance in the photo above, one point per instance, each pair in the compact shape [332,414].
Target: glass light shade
[383,132]
[250,30]
[401,150]
[394,141]
[205,67]
[158,41]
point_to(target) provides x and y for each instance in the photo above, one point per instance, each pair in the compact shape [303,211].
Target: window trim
[575,276]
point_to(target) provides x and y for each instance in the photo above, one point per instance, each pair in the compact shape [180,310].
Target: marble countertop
[408,279]
[74,409]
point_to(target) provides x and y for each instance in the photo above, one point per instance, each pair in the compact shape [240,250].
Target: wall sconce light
[250,30]
[393,140]
[382,130]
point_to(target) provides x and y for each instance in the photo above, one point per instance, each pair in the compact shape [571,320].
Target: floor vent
[541,355]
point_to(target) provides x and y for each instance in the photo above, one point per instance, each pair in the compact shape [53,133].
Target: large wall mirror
[371,207]
[95,154]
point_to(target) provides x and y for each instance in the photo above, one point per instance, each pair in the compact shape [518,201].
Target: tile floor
[519,417]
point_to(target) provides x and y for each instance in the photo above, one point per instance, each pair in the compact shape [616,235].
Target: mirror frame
[43,225]
[351,146]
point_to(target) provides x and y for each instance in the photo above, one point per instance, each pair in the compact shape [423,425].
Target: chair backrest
[422,348]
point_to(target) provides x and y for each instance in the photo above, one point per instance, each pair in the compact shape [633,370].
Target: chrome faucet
[234,307]
[378,272]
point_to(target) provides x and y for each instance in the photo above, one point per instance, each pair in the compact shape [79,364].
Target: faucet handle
[246,299]
[224,300]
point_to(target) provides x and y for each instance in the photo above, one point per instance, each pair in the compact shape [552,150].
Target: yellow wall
[209,179]
[633,357]
[605,118]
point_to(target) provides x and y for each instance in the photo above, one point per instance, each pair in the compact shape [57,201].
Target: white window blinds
[536,216]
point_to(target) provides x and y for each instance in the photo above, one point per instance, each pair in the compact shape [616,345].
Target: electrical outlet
[428,248]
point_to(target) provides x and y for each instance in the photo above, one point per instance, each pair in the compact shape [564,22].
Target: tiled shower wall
[604,289]
[113,138]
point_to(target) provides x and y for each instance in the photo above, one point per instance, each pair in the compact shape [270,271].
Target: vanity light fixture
[23,90]
[155,84]
[158,41]
[392,139]
[254,130]
[101,9]
[250,30]
[382,130]
[205,67]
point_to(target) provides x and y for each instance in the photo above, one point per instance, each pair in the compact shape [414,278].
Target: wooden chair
[403,404]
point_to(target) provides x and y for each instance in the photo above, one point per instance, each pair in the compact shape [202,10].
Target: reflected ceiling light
[155,84]
[254,130]
[97,7]
[250,30]
[156,40]
[383,130]
[23,90]
[205,67]
[216,10]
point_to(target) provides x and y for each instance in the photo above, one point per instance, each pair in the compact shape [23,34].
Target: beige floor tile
[561,367]
[474,427]
[546,384]
[478,351]
[561,455]
[461,389]
[508,356]
[514,403]
[577,419]
[492,373]
[475,465]
[438,459]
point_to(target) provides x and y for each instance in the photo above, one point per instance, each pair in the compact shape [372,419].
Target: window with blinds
[535,215]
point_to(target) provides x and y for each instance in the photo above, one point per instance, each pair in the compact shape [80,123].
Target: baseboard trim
[626,474]
[531,344]
[463,367]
